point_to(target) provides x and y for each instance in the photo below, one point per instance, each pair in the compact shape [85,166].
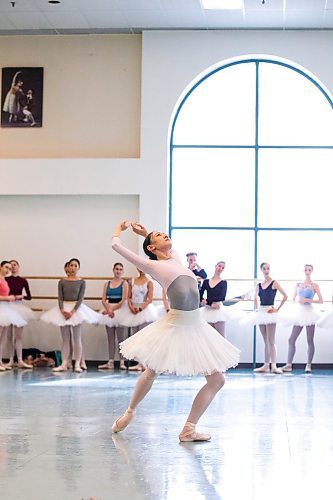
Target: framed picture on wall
[22,97]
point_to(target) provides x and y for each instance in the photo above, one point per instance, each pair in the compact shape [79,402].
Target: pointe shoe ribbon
[189,434]
[122,422]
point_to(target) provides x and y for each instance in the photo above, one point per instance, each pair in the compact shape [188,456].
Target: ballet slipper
[276,370]
[22,364]
[308,369]
[189,434]
[78,369]
[135,368]
[107,366]
[287,368]
[122,422]
[2,368]
[69,365]
[262,369]
[122,365]
[83,366]
[8,367]
[60,368]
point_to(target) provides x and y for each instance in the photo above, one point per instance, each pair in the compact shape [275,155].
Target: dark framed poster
[22,97]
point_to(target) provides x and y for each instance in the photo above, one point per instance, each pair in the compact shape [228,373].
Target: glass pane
[292,110]
[221,110]
[288,251]
[295,188]
[213,246]
[213,187]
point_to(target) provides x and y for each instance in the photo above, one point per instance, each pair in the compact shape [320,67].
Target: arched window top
[255,101]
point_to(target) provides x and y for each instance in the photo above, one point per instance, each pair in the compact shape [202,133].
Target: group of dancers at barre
[185,340]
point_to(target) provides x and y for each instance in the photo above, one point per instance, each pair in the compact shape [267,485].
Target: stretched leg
[77,347]
[292,347]
[18,334]
[66,336]
[121,336]
[220,327]
[205,396]
[310,330]
[70,355]
[111,335]
[271,328]
[142,387]
[265,367]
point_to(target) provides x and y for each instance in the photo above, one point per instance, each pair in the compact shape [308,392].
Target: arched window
[251,163]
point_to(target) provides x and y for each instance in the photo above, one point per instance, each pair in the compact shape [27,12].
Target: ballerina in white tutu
[303,315]
[266,316]
[69,315]
[18,285]
[181,342]
[140,311]
[114,299]
[215,290]
[8,315]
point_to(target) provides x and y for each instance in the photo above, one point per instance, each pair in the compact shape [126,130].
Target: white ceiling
[133,16]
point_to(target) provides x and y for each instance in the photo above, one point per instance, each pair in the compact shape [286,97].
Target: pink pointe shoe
[189,434]
[122,422]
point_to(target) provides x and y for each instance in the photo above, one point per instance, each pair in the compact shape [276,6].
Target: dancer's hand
[139,229]
[215,305]
[122,226]
[272,310]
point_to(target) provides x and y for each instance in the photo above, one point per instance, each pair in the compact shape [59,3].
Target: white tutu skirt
[117,318]
[212,315]
[300,315]
[181,342]
[127,318]
[260,317]
[9,316]
[24,311]
[83,315]
[326,321]
[160,311]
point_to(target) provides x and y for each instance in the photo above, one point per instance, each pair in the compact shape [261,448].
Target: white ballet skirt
[24,311]
[260,317]
[326,321]
[183,343]
[127,318]
[83,315]
[212,315]
[9,316]
[160,311]
[106,320]
[301,315]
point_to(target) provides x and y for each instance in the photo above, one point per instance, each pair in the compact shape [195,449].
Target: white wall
[170,61]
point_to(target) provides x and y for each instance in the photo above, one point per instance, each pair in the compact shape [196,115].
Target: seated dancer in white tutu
[18,285]
[115,293]
[304,314]
[69,314]
[215,289]
[266,317]
[181,342]
[8,314]
[140,311]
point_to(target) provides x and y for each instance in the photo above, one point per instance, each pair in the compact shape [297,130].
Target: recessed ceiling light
[223,4]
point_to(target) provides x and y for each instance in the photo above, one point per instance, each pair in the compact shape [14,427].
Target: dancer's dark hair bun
[146,244]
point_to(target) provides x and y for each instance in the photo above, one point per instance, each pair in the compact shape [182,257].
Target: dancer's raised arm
[140,262]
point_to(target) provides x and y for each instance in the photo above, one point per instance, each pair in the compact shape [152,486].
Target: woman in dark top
[115,295]
[18,285]
[70,314]
[266,317]
[215,289]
